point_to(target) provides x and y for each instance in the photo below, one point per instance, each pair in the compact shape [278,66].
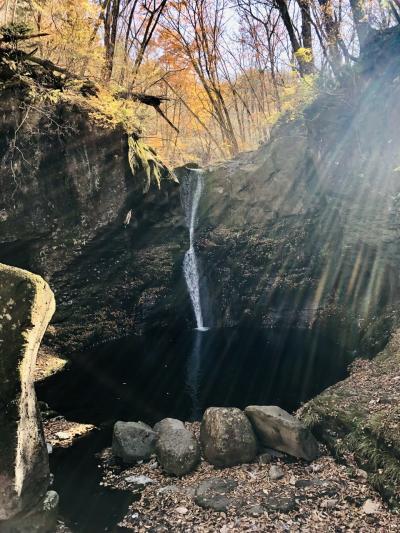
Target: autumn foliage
[223,70]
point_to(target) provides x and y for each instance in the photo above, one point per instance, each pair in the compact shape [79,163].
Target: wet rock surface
[227,437]
[276,223]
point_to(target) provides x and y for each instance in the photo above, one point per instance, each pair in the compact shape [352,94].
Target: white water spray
[192,188]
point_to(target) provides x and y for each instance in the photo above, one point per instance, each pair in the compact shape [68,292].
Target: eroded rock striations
[26,307]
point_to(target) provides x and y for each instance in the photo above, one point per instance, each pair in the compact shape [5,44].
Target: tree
[197,26]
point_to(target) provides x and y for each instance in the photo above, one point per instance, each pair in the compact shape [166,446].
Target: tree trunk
[362,27]
[306,35]
[110,36]
[331,30]
[304,66]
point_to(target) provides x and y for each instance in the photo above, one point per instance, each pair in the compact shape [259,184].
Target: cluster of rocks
[228,437]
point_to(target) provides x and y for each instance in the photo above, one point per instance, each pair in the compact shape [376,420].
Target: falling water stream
[192,188]
[191,191]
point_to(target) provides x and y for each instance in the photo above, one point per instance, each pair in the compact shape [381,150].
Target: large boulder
[279,430]
[227,437]
[177,450]
[133,441]
[26,307]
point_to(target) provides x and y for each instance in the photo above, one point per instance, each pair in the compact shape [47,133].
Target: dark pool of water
[176,374]
[86,506]
[173,373]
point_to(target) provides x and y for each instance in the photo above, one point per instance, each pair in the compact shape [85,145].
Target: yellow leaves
[299,93]
[109,112]
[71,41]
[53,96]
[304,55]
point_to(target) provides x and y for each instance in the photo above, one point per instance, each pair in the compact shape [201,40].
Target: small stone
[139,480]
[255,510]
[50,501]
[329,504]
[62,435]
[181,510]
[211,493]
[227,437]
[264,458]
[280,504]
[133,441]
[177,449]
[362,475]
[371,507]
[304,483]
[317,467]
[276,472]
[168,489]
[279,430]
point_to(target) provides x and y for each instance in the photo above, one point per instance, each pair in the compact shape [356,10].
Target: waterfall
[191,190]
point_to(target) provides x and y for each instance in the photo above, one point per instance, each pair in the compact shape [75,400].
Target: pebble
[168,489]
[62,435]
[329,504]
[264,458]
[276,472]
[139,480]
[370,507]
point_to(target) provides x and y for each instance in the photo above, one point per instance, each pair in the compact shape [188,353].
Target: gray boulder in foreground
[177,450]
[227,437]
[133,441]
[279,430]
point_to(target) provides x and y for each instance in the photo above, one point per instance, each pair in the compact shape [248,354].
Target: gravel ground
[319,497]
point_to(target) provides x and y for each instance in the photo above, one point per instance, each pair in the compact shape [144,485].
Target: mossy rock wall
[360,418]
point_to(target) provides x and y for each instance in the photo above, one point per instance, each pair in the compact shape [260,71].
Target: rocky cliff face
[72,209]
[302,231]
[305,229]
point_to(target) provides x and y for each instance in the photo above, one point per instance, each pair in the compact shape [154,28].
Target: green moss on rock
[360,418]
